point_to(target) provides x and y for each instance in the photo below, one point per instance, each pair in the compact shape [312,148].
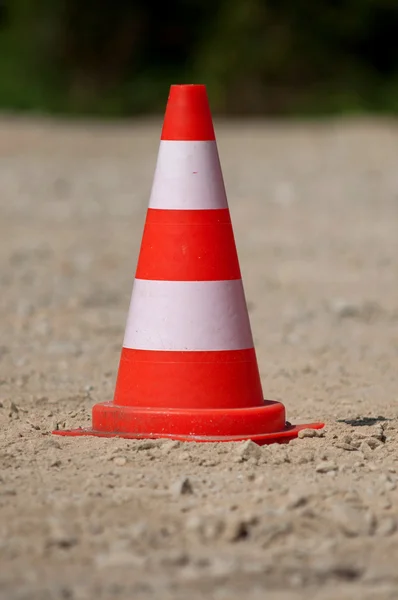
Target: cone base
[264,425]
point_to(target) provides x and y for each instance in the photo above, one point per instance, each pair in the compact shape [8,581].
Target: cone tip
[188,116]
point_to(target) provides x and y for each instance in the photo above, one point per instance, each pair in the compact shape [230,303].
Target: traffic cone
[188,368]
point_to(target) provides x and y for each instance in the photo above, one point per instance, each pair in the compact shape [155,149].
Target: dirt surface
[315,211]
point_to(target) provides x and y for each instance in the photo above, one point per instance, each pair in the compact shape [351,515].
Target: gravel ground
[315,211]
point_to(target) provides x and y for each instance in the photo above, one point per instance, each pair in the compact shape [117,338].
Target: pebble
[389,483]
[347,439]
[236,529]
[344,309]
[148,444]
[373,467]
[247,450]
[379,435]
[297,501]
[326,467]
[358,464]
[181,487]
[207,528]
[345,446]
[366,449]
[352,521]
[358,436]
[303,459]
[386,526]
[307,433]
[169,445]
[374,441]
[14,410]
[364,311]
[54,443]
[120,461]
[60,535]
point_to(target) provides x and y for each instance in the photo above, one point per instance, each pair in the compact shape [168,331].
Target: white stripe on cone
[188,176]
[188,316]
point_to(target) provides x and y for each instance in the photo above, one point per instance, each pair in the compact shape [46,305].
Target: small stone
[378,434]
[247,450]
[331,566]
[65,542]
[357,435]
[352,497]
[303,458]
[352,521]
[297,501]
[307,433]
[60,536]
[326,467]
[365,311]
[54,443]
[207,528]
[280,458]
[348,447]
[344,309]
[194,523]
[374,441]
[365,449]
[148,444]
[347,439]
[236,529]
[356,444]
[14,411]
[120,461]
[386,526]
[390,486]
[272,530]
[182,487]
[169,445]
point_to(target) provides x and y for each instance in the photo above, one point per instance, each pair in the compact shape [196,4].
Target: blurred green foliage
[277,57]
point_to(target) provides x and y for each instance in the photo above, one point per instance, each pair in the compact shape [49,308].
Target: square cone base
[264,424]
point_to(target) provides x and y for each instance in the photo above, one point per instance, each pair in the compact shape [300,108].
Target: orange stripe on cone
[188,115]
[188,245]
[223,379]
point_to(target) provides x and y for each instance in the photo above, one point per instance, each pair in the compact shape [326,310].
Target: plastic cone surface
[188,368]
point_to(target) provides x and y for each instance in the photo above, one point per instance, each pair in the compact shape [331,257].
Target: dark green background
[271,57]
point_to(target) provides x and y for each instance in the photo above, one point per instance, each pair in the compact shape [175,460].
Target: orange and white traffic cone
[188,368]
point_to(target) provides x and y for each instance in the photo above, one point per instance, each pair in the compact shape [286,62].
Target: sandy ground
[315,211]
